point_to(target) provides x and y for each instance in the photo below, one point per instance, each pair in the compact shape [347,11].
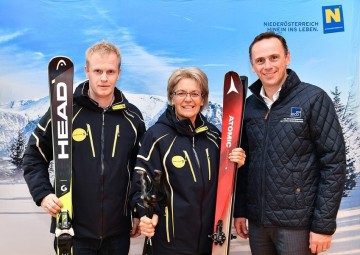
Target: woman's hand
[147,225]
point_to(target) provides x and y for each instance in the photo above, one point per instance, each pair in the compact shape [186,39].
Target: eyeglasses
[183,94]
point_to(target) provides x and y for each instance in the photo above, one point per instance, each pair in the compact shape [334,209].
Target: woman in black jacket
[184,146]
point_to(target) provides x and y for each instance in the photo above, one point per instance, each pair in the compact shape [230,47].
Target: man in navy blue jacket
[291,186]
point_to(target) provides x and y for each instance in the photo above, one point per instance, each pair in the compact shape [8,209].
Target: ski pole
[151,195]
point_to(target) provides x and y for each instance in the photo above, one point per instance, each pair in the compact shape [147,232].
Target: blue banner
[158,36]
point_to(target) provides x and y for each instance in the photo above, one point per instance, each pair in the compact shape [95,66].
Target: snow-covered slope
[23,115]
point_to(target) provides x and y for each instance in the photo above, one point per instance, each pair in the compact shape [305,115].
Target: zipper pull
[267,115]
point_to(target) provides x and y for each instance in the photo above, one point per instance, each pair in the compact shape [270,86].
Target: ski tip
[56,58]
[58,65]
[233,77]
[244,80]
[61,68]
[60,62]
[232,72]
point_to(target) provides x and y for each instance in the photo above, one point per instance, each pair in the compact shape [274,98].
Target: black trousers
[115,245]
[278,241]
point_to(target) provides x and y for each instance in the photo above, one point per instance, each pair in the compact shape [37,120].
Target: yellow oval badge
[178,161]
[79,134]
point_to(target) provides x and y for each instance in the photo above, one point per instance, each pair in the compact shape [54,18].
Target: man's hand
[147,225]
[135,231]
[241,227]
[319,242]
[51,204]
[237,155]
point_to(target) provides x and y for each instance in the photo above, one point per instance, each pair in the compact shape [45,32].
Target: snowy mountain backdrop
[23,115]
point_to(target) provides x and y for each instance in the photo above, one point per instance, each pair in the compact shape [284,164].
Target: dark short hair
[268,35]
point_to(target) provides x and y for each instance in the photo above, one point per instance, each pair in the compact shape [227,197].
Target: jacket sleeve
[148,159]
[330,148]
[36,160]
[241,181]
[141,130]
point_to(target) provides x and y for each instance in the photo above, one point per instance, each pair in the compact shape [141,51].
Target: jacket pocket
[117,135]
[190,165]
[91,139]
[208,162]
[290,194]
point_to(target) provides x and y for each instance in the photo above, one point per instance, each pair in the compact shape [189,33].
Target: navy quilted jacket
[295,170]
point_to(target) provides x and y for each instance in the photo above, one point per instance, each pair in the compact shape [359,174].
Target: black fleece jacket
[105,144]
[188,158]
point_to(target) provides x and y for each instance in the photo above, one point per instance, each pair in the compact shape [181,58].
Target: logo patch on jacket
[295,115]
[295,112]
[178,161]
[118,107]
[201,129]
[79,135]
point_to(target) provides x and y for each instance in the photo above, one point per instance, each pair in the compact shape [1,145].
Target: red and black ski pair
[235,88]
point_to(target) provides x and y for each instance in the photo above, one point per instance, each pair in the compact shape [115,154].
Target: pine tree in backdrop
[350,128]
[17,148]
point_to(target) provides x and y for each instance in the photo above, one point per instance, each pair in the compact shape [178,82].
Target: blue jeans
[115,245]
[278,241]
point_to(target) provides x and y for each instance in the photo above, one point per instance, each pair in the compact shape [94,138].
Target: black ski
[61,75]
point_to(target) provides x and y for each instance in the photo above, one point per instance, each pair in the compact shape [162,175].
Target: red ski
[233,109]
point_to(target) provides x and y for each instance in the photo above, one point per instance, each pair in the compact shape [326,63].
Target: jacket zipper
[195,153]
[263,179]
[266,117]
[202,178]
[102,175]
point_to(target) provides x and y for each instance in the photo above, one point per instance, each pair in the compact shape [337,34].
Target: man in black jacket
[291,185]
[103,158]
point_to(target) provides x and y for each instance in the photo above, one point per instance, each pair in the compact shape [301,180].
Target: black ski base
[218,237]
[64,244]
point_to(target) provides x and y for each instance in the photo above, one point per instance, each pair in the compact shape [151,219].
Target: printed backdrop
[158,36]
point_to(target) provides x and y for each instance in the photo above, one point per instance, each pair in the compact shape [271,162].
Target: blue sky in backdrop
[158,36]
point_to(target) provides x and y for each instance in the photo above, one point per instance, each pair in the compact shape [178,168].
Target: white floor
[24,228]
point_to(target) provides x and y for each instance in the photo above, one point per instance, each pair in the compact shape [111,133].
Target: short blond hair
[103,48]
[193,73]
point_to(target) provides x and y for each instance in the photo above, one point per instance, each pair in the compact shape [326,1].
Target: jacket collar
[184,126]
[292,80]
[81,96]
